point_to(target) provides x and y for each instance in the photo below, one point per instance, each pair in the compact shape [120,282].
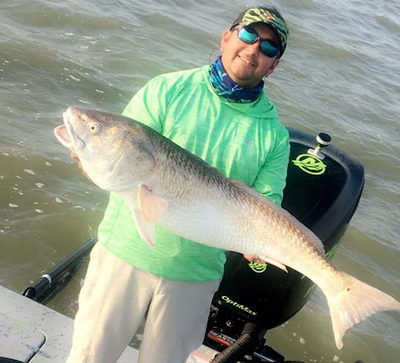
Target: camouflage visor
[262,16]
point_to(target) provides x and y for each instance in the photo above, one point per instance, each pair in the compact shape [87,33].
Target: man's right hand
[75,157]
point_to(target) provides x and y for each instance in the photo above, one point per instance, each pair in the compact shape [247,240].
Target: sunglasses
[249,36]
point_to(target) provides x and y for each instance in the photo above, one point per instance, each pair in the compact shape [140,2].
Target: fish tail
[351,301]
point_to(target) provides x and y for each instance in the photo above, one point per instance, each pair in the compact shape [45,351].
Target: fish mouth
[62,135]
[66,134]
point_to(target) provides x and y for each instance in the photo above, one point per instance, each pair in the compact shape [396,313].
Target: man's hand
[253,258]
[75,157]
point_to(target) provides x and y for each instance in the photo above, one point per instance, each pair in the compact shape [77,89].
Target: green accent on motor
[258,267]
[310,164]
[239,306]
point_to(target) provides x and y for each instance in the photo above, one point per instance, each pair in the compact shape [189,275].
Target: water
[340,74]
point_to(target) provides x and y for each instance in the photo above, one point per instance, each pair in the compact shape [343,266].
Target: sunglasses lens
[250,37]
[247,36]
[270,50]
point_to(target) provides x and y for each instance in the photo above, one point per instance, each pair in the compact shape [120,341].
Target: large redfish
[167,185]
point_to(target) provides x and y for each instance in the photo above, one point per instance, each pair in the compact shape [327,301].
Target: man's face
[245,63]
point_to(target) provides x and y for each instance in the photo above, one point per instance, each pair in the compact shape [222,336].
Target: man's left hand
[253,258]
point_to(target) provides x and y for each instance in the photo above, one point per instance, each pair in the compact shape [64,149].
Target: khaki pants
[113,301]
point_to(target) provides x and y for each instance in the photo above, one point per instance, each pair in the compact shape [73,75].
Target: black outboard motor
[324,186]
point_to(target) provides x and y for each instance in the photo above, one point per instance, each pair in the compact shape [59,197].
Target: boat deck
[31,332]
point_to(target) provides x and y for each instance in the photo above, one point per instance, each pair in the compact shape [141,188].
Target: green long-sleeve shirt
[245,141]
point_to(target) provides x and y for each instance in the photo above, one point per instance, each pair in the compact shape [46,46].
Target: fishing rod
[49,284]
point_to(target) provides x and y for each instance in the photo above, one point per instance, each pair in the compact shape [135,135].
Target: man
[221,114]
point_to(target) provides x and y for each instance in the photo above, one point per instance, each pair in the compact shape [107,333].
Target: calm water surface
[340,74]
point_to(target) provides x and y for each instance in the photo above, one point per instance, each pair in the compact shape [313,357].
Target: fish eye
[94,128]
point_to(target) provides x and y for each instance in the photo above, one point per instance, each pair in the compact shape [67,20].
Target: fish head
[114,153]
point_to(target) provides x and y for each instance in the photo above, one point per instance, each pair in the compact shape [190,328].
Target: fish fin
[146,230]
[353,302]
[275,263]
[151,205]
